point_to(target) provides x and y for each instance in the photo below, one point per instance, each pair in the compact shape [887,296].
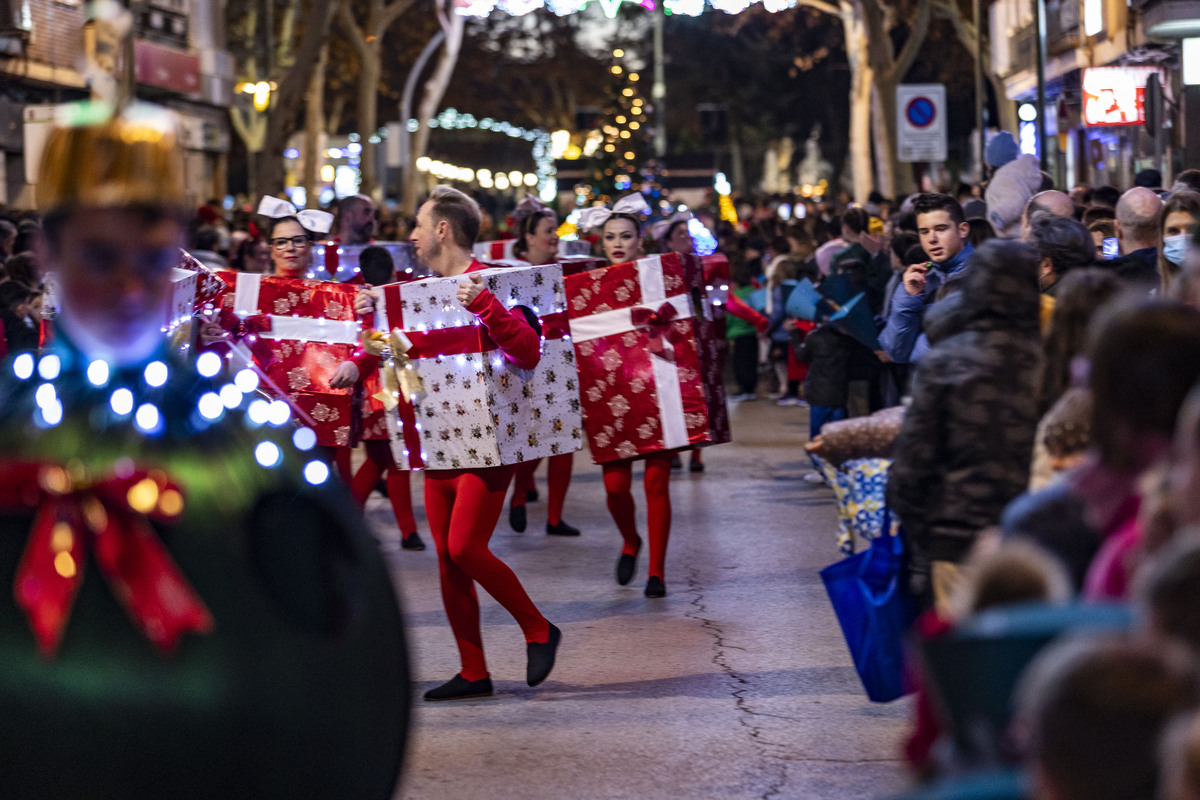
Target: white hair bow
[629,204]
[310,218]
[659,229]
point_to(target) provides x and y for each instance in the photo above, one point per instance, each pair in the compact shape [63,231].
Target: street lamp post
[1039,22]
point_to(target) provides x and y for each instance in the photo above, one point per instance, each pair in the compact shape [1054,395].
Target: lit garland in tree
[691,8]
[620,164]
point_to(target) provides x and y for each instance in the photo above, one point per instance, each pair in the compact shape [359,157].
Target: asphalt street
[736,685]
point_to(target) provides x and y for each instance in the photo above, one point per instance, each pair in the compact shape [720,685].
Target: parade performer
[621,242]
[291,233]
[537,243]
[190,598]
[377,269]
[463,505]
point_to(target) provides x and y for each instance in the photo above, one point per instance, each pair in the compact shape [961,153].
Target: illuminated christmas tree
[623,162]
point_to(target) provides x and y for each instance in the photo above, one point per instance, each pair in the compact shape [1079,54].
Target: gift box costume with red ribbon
[299,331]
[502,249]
[479,409]
[649,362]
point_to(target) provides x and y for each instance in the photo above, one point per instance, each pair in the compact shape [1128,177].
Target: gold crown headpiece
[100,157]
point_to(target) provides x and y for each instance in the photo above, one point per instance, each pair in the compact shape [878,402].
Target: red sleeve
[739,309]
[509,329]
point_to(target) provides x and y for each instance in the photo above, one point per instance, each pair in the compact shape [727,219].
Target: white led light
[121,402]
[147,417]
[304,438]
[316,472]
[208,364]
[45,395]
[279,413]
[267,454]
[155,373]
[97,373]
[230,396]
[52,414]
[49,367]
[210,405]
[246,380]
[259,411]
[23,366]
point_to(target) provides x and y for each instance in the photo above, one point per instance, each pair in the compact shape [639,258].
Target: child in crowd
[1067,430]
[743,343]
[827,352]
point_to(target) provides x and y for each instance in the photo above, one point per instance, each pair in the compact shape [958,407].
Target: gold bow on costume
[399,374]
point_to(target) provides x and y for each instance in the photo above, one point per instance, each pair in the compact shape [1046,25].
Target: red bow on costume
[658,324]
[107,514]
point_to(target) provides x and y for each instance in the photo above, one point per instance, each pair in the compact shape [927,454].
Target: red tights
[558,477]
[463,507]
[378,463]
[618,483]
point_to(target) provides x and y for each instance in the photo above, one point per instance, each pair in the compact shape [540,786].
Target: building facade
[1099,55]
[51,52]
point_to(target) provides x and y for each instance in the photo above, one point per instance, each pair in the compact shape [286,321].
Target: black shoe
[626,565]
[676,461]
[459,688]
[412,541]
[531,496]
[655,587]
[696,466]
[561,529]
[381,487]
[516,518]
[540,658]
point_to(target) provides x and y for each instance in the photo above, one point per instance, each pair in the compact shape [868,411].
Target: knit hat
[1001,149]
[1009,191]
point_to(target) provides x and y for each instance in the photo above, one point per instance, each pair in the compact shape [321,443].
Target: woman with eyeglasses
[291,247]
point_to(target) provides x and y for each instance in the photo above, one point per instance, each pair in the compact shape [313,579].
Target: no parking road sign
[921,122]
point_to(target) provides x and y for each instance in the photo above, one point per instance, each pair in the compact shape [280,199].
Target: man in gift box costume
[191,609]
[463,505]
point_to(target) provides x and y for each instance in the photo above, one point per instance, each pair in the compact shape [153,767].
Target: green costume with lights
[272,662]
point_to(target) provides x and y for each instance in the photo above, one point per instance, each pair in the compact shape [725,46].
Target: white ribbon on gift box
[666,373]
[308,329]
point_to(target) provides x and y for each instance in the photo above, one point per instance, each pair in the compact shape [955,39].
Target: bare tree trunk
[861,79]
[435,88]
[368,119]
[314,130]
[292,88]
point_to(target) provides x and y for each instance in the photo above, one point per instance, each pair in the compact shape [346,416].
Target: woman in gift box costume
[191,610]
[463,505]
[537,243]
[621,241]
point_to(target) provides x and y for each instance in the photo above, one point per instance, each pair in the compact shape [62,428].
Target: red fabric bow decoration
[106,514]
[658,324]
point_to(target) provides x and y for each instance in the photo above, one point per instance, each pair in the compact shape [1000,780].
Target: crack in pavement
[777,771]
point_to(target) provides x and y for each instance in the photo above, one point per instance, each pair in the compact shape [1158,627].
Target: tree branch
[345,18]
[393,11]
[821,6]
[912,45]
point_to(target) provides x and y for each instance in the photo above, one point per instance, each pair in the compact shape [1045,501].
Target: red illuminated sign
[1115,95]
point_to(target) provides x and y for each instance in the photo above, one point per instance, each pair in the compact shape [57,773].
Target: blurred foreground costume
[188,607]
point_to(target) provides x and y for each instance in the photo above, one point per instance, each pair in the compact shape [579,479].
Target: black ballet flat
[626,565]
[561,529]
[516,518]
[540,657]
[412,541]
[531,496]
[655,587]
[459,688]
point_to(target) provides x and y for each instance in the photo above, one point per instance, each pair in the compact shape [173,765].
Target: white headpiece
[310,218]
[629,204]
[659,229]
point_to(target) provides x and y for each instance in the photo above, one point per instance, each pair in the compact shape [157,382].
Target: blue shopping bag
[875,612]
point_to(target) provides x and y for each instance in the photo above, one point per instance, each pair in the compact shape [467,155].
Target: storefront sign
[1115,95]
[166,67]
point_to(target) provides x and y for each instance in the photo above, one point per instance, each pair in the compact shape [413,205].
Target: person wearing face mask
[537,243]
[1180,213]
[621,242]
